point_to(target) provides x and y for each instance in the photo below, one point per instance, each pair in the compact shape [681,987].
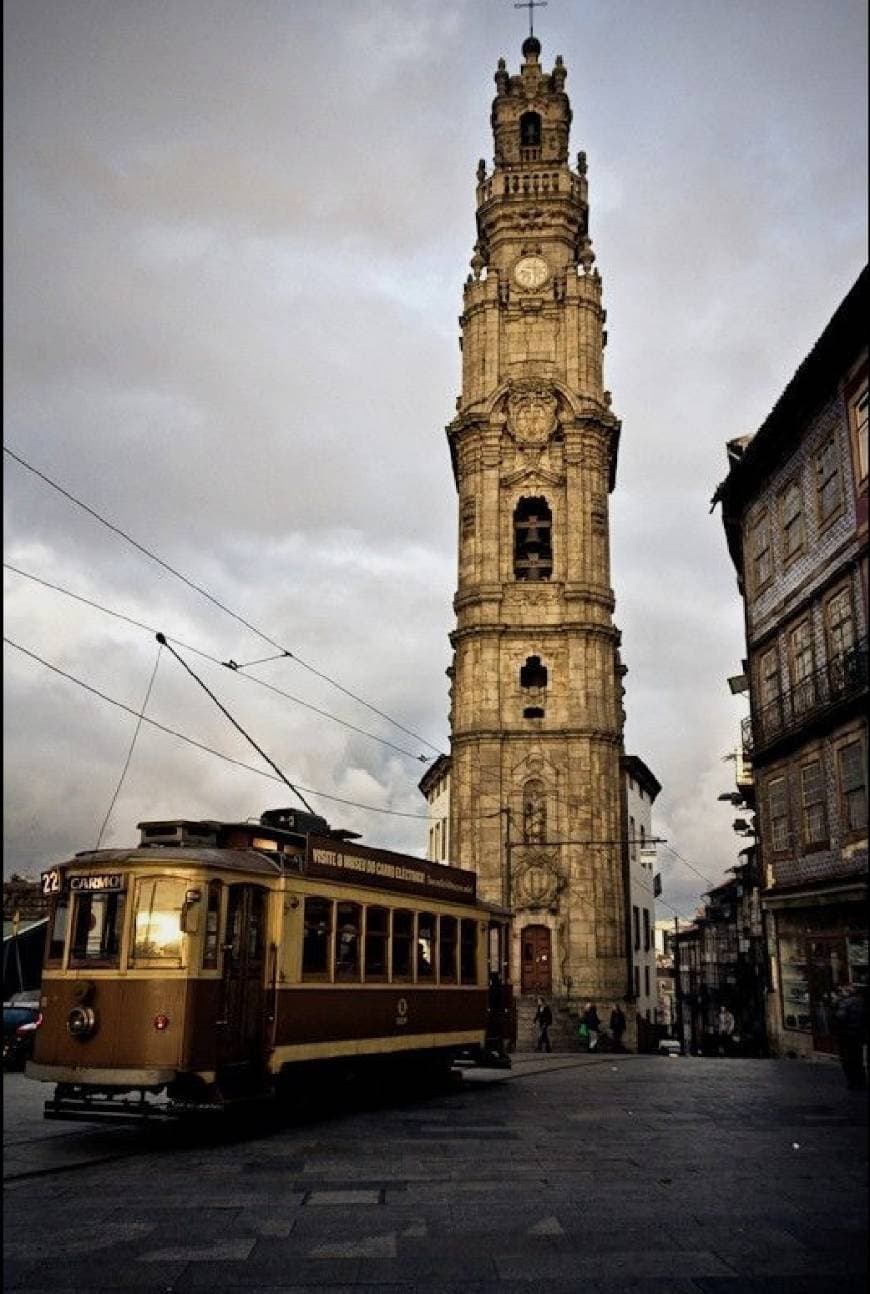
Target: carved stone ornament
[531,412]
[538,882]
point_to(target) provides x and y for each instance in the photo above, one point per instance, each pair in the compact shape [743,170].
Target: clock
[531,272]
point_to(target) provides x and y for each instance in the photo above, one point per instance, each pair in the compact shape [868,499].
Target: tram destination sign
[56,882]
[382,869]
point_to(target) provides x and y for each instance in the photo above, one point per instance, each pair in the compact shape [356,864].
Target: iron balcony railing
[839,679]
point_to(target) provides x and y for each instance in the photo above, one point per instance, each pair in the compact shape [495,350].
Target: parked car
[22,1016]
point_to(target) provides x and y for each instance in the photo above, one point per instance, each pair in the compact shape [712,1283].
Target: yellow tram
[218,961]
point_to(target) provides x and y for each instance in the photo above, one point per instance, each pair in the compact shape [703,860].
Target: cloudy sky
[235,241]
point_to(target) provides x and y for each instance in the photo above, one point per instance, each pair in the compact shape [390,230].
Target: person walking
[543,1019]
[850,1030]
[725,1028]
[617,1025]
[592,1023]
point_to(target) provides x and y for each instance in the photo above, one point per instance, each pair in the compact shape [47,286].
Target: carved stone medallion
[531,412]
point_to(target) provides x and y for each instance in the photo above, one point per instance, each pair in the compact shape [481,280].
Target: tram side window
[347,938]
[157,921]
[212,924]
[376,944]
[97,927]
[447,950]
[58,926]
[468,952]
[403,942]
[316,939]
[426,946]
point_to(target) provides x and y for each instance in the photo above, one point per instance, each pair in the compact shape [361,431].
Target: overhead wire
[130,751]
[198,651]
[198,588]
[191,741]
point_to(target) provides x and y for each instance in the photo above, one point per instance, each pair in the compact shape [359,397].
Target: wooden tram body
[219,961]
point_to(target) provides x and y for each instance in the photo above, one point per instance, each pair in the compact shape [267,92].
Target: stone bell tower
[536,697]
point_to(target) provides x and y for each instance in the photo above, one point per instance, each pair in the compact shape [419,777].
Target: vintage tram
[217,962]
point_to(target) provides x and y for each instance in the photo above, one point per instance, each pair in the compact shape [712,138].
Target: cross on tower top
[531,5]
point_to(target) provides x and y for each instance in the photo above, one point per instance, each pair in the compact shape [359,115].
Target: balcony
[839,680]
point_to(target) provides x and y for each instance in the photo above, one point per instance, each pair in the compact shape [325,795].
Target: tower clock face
[531,272]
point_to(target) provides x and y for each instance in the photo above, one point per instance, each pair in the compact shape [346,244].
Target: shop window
[533,547]
[347,940]
[815,827]
[376,943]
[853,787]
[829,486]
[403,944]
[794,984]
[468,952]
[856,955]
[97,927]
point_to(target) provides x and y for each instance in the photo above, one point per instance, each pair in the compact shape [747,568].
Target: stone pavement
[571,1173]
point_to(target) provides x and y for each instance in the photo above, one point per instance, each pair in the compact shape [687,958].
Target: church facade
[536,807]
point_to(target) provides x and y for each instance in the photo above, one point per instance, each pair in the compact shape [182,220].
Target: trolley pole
[678,994]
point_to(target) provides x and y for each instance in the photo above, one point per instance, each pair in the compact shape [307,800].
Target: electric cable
[191,741]
[161,638]
[130,751]
[198,588]
[238,670]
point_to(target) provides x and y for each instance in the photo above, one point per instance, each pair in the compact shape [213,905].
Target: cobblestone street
[572,1172]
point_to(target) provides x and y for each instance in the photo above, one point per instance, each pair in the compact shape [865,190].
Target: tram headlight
[81,1022]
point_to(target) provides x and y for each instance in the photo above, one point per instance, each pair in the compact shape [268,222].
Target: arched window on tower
[534,812]
[530,136]
[533,681]
[533,546]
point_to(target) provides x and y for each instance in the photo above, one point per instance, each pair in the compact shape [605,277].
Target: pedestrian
[543,1019]
[725,1030]
[850,1030]
[617,1026]
[592,1023]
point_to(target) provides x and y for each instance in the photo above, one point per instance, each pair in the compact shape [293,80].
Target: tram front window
[157,921]
[97,930]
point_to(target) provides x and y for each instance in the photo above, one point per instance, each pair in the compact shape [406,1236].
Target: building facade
[536,695]
[795,514]
[641,789]
[435,786]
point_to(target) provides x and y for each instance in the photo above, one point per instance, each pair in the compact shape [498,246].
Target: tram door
[537,974]
[241,1028]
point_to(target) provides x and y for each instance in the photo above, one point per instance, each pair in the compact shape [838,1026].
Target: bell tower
[536,697]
